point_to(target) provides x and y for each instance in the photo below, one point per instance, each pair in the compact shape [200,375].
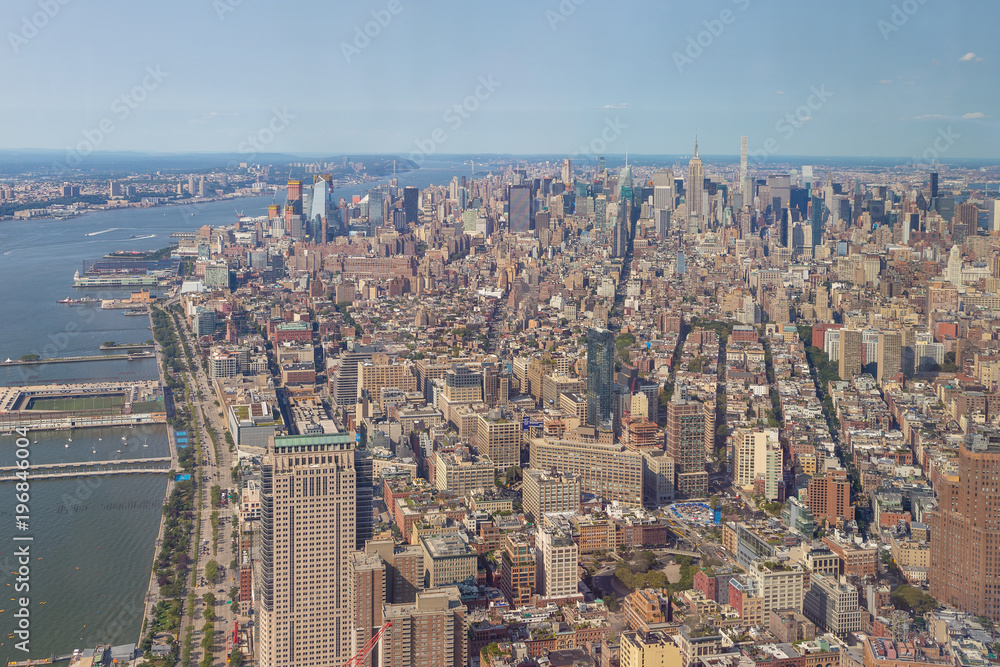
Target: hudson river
[93,536]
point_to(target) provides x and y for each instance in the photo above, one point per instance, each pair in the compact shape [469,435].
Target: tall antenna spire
[696,144]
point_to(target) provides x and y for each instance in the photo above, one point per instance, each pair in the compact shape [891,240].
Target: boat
[69,301]
[66,445]
[119,451]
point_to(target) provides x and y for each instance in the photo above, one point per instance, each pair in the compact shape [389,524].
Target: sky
[882,78]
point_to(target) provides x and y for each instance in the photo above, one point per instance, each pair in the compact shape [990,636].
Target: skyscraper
[817,220]
[567,171]
[686,444]
[600,376]
[411,203]
[620,233]
[695,189]
[307,535]
[965,529]
[993,222]
[319,210]
[625,183]
[520,216]
[890,355]
[851,351]
[744,186]
[364,480]
[663,189]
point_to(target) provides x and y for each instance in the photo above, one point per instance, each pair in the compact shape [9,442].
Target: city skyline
[422,82]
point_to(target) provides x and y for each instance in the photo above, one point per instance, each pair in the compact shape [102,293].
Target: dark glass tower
[411,196]
[600,376]
[363,470]
[817,220]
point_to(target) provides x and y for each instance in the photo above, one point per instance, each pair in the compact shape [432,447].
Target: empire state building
[695,192]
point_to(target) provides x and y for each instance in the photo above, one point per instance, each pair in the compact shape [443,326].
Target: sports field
[109,404]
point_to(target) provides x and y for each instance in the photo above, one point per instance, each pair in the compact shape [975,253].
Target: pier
[96,357]
[88,468]
[61,406]
[128,346]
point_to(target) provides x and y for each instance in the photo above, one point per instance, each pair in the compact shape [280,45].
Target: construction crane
[359,658]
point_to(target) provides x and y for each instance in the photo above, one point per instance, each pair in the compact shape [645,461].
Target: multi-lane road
[214,469]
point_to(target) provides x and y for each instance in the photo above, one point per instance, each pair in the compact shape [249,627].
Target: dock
[130,346]
[84,464]
[97,404]
[89,469]
[30,663]
[69,360]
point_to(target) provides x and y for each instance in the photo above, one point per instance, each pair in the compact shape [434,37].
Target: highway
[215,469]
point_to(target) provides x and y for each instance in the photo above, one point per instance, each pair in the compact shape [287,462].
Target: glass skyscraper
[600,377]
[817,220]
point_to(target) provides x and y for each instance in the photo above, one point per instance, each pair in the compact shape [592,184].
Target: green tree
[913,600]
[212,572]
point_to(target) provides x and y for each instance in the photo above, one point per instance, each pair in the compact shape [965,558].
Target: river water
[93,536]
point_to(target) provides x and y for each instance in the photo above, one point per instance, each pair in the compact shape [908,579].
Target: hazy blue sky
[892,77]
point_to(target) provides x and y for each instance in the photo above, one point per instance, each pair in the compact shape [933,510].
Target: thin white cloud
[970,57]
[974,115]
[931,116]
[885,82]
[780,92]
[620,105]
